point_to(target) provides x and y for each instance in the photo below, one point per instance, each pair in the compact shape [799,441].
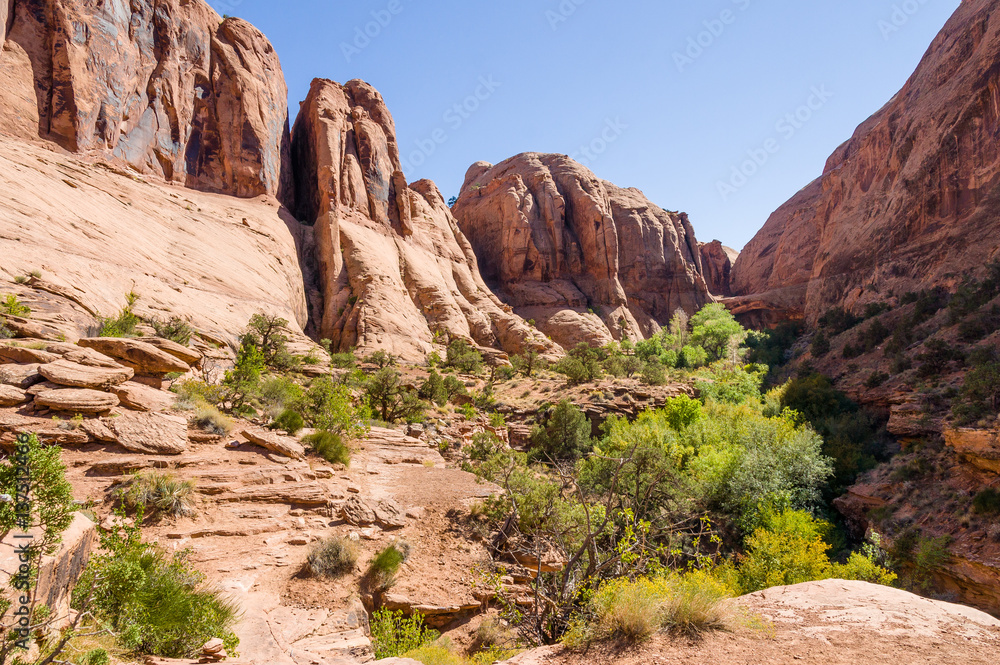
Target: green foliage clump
[175,329]
[937,358]
[433,389]
[161,493]
[383,568]
[332,557]
[564,436]
[211,420]
[714,329]
[838,320]
[269,335]
[391,400]
[330,446]
[463,357]
[289,421]
[242,383]
[528,363]
[381,359]
[394,634]
[987,502]
[771,347]
[11,306]
[329,405]
[731,384]
[154,603]
[123,324]
[344,360]
[820,344]
[583,364]
[980,393]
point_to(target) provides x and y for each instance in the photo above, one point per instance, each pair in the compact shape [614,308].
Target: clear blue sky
[566,74]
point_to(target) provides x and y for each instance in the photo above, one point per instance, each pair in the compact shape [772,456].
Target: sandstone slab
[151,433]
[139,397]
[283,445]
[77,400]
[179,351]
[13,352]
[66,373]
[12,396]
[145,358]
[20,376]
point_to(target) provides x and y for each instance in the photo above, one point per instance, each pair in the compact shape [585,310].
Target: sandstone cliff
[717,264]
[588,261]
[395,271]
[164,86]
[907,202]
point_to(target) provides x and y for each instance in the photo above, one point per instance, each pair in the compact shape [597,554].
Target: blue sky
[673,98]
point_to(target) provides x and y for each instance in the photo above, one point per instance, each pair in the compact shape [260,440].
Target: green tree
[242,382]
[565,435]
[716,330]
[269,333]
[387,396]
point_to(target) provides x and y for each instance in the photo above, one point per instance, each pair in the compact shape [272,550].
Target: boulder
[283,445]
[11,396]
[150,433]
[66,373]
[13,352]
[144,358]
[389,515]
[139,397]
[179,351]
[77,400]
[88,357]
[20,376]
[357,513]
[587,260]
[22,327]
[308,494]
[97,430]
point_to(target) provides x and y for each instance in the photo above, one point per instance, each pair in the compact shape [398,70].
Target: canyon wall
[908,202]
[586,260]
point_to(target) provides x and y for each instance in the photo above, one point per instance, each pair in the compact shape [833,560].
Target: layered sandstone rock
[717,264]
[165,86]
[396,273]
[908,202]
[588,261]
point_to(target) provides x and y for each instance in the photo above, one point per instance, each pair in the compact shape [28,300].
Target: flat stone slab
[151,433]
[179,351]
[13,353]
[11,396]
[77,400]
[20,376]
[139,397]
[283,445]
[144,357]
[66,373]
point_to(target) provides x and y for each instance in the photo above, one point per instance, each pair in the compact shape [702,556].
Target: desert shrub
[454,387]
[574,369]
[980,394]
[242,383]
[876,379]
[269,335]
[927,304]
[820,345]
[731,384]
[715,330]
[937,358]
[11,306]
[788,548]
[979,325]
[192,392]
[692,357]
[901,363]
[329,405]
[815,398]
[686,602]
[394,635]
[987,502]
[771,347]
[433,389]
[122,324]
[391,400]
[565,434]
[528,363]
[838,320]
[862,568]
[874,309]
[583,364]
[653,373]
[332,557]
[277,393]
[463,357]
[210,419]
[382,570]
[381,359]
[289,421]
[175,329]
[330,446]
[155,603]
[345,360]
[161,493]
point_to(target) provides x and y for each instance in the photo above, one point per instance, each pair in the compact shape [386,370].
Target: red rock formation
[588,261]
[909,201]
[717,264]
[165,86]
[396,272]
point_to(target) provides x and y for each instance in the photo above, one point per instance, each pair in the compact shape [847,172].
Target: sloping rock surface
[587,260]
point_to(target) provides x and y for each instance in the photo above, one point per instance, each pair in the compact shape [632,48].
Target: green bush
[653,373]
[13,307]
[820,345]
[211,420]
[383,568]
[391,400]
[716,331]
[433,389]
[175,329]
[330,446]
[269,335]
[987,502]
[242,383]
[153,602]
[329,405]
[980,394]
[394,634]
[332,557]
[565,435]
[731,384]
[381,359]
[289,421]
[876,379]
[838,320]
[463,357]
[123,324]
[346,360]
[161,493]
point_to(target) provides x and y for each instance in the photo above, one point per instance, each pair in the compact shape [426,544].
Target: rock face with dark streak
[165,86]
[908,202]
[717,264]
[396,273]
[587,260]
